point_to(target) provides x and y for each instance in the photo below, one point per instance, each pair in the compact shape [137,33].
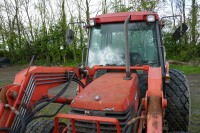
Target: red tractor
[122,88]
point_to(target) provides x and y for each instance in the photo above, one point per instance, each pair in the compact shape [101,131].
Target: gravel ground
[194,84]
[7,77]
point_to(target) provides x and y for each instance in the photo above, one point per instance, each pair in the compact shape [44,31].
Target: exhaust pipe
[127,56]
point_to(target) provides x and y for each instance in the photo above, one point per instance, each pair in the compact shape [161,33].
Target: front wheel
[178,98]
[43,126]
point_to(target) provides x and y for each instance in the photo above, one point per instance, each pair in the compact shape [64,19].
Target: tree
[194,12]
[87,11]
[63,25]
[104,6]
[26,6]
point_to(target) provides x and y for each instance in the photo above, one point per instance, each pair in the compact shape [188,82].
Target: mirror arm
[81,22]
[173,17]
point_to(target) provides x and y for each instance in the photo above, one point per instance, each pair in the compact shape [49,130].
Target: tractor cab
[114,43]
[107,38]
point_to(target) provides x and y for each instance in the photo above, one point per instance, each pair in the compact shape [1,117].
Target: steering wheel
[135,59]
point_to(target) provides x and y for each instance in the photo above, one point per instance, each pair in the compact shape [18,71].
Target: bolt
[97,98]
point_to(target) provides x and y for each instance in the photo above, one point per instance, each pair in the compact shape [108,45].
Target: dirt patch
[194,84]
[7,76]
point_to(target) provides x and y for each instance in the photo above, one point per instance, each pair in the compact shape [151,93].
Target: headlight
[151,18]
[92,22]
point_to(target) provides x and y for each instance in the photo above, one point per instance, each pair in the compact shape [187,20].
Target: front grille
[90,126]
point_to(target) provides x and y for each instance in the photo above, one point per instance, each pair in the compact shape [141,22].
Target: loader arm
[154,101]
[29,88]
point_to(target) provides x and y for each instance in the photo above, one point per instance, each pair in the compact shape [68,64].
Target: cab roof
[122,16]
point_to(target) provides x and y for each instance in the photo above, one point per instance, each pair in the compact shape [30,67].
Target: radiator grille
[90,126]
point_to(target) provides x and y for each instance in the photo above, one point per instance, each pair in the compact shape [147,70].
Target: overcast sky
[163,9]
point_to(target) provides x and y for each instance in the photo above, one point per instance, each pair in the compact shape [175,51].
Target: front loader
[125,85]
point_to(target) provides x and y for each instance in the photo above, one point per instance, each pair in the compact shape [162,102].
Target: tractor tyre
[43,126]
[177,93]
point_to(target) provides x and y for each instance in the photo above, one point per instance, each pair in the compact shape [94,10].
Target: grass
[3,84]
[52,108]
[72,63]
[187,69]
[69,63]
[195,114]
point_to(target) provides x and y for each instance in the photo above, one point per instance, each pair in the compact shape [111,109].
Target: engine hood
[110,92]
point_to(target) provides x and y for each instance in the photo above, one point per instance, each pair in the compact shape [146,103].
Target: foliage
[46,39]
[179,50]
[43,33]
[187,69]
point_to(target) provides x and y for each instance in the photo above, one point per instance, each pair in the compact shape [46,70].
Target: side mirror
[69,36]
[179,31]
[162,24]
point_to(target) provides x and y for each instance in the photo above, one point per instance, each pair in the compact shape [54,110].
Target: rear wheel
[178,107]
[43,126]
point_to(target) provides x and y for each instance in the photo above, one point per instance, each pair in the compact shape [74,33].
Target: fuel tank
[110,92]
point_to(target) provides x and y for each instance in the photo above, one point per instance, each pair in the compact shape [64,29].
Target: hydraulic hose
[136,120]
[48,99]
[29,117]
[21,130]
[51,115]
[7,129]
[59,94]
[138,113]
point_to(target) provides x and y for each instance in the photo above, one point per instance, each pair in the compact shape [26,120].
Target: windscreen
[107,44]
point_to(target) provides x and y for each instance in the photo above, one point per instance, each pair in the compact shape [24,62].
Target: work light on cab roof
[151,18]
[92,22]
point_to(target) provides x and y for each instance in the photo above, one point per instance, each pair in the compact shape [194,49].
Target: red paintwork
[21,81]
[97,67]
[61,99]
[1,108]
[122,16]
[114,92]
[154,108]
[154,82]
[21,75]
[12,87]
[86,118]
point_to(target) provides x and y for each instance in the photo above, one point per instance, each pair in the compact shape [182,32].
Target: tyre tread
[178,96]
[40,126]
